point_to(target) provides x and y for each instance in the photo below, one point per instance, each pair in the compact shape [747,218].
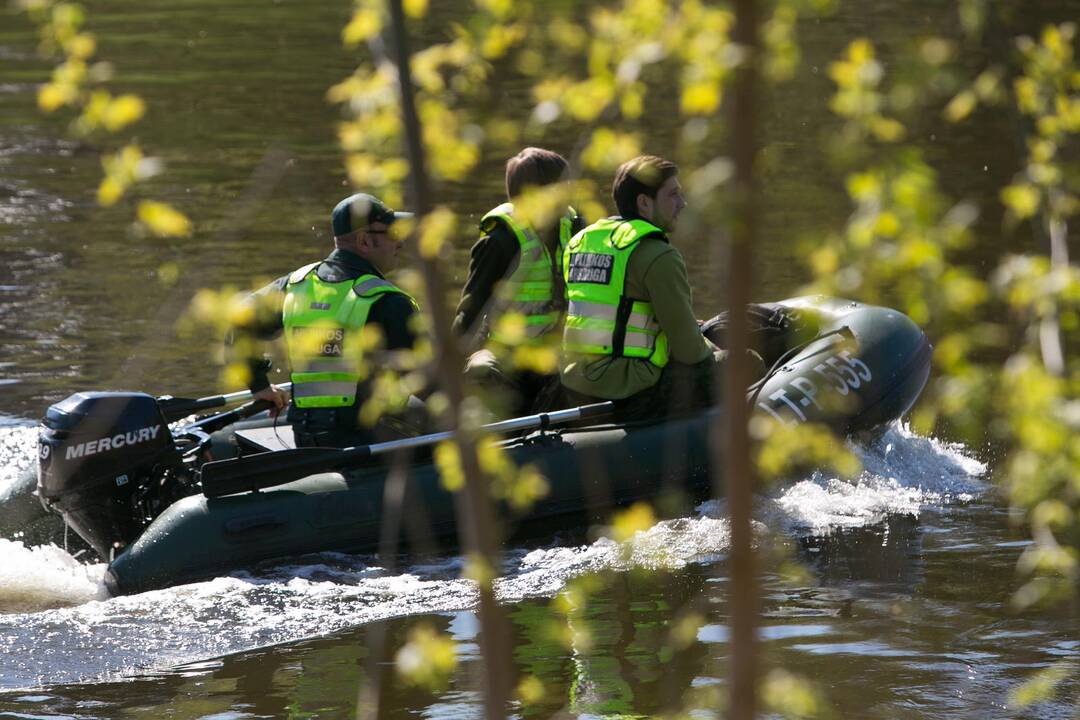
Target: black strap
[622,319]
[626,304]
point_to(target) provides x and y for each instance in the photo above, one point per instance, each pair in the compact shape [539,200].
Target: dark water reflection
[906,618]
[251,155]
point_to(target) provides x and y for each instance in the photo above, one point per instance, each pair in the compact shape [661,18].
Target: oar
[216,422]
[225,477]
[174,408]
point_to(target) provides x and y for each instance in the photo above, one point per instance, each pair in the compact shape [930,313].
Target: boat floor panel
[262,439]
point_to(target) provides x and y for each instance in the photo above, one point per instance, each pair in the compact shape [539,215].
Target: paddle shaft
[226,477]
[529,422]
[174,408]
[216,422]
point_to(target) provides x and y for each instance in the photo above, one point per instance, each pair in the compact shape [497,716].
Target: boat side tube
[589,471]
[867,368]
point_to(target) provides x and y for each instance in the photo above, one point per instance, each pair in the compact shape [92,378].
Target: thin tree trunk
[476,519]
[1050,345]
[738,473]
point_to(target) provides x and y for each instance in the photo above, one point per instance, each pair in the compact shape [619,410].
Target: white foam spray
[38,578]
[18,452]
[902,474]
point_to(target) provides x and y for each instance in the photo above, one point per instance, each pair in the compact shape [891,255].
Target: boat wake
[902,474]
[60,627]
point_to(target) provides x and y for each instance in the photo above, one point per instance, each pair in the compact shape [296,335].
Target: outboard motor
[99,455]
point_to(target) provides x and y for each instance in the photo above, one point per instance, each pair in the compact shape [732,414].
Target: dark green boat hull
[859,379]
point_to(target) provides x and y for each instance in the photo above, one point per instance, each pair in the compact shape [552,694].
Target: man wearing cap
[630,334]
[324,309]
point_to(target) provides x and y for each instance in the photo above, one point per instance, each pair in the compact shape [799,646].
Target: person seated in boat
[630,333]
[513,300]
[323,309]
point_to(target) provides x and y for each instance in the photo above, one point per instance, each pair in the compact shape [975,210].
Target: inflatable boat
[140,492]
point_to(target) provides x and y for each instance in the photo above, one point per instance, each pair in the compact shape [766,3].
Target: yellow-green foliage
[76,83]
[624,46]
[791,696]
[985,88]
[479,570]
[448,463]
[629,522]
[858,76]
[372,138]
[435,230]
[607,149]
[530,690]
[518,487]
[427,659]
[895,248]
[784,449]
[219,311]
[901,247]
[594,73]
[162,219]
[1042,686]
[1048,92]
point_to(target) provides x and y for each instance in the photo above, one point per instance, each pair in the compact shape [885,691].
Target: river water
[905,609]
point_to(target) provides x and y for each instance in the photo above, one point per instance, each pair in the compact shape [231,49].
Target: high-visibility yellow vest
[530,289]
[600,318]
[323,321]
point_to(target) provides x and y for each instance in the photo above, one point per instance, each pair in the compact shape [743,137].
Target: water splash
[903,473]
[36,578]
[21,515]
[18,452]
[668,545]
[132,635]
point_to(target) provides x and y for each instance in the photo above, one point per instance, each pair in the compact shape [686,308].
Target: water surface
[905,612]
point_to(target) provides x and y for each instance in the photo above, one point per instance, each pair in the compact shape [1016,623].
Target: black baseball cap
[358,211]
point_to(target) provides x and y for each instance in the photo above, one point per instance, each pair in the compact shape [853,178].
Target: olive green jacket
[656,273]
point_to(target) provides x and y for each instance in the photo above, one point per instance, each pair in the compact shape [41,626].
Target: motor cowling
[95,451]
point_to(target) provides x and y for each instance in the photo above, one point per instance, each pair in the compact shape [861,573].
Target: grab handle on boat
[268,469]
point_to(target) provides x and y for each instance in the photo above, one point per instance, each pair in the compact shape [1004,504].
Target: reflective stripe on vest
[600,318]
[365,287]
[323,323]
[639,320]
[530,289]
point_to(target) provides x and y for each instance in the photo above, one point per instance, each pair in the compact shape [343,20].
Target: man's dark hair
[641,176]
[533,166]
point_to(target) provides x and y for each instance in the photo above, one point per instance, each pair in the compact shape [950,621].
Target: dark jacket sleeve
[393,312]
[261,320]
[493,258]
